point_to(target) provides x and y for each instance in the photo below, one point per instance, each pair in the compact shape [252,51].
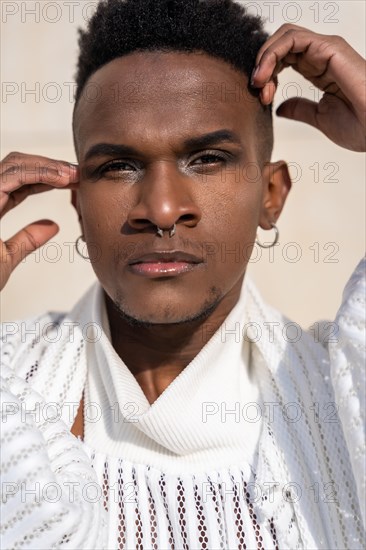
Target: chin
[168,313]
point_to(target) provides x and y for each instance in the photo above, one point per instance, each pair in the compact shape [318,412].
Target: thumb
[27,240]
[301,109]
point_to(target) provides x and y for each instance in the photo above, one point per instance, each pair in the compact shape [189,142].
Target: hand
[22,175]
[332,65]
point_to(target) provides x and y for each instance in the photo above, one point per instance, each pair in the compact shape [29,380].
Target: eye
[210,158]
[117,166]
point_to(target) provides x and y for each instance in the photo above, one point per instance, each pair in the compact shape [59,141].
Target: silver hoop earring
[160,232]
[77,244]
[277,235]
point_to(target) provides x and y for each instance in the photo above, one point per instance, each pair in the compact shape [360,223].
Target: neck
[157,353]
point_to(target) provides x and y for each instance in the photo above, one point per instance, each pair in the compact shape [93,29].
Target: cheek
[103,215]
[103,212]
[235,210]
[231,220]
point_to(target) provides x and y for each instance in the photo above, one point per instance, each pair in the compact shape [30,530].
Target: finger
[14,176]
[275,36]
[274,57]
[322,59]
[291,59]
[8,201]
[300,109]
[18,169]
[17,162]
[23,243]
[267,93]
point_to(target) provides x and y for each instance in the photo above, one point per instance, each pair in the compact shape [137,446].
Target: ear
[276,186]
[75,203]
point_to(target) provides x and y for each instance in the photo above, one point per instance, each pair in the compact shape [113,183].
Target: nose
[164,198]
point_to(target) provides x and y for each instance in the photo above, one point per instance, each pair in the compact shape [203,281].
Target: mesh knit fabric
[301,486]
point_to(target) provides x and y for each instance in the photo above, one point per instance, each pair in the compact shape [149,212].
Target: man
[172,171]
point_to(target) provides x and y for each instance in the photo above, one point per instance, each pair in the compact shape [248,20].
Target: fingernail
[254,74]
[65,169]
[46,222]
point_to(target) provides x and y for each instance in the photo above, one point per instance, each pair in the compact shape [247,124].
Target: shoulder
[34,348]
[351,314]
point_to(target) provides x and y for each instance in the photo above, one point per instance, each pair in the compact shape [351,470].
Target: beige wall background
[322,230]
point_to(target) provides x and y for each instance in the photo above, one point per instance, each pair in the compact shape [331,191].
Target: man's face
[152,112]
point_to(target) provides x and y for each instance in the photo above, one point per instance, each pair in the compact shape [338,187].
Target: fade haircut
[221,28]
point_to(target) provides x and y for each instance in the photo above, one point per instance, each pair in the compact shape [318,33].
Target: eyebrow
[213,138]
[109,150]
[199,142]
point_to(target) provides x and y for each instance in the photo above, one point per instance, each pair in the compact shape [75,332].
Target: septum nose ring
[172,230]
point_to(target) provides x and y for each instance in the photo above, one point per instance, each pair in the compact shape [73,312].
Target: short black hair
[221,28]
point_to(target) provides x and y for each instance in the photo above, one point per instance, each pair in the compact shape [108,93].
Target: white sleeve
[47,478]
[348,365]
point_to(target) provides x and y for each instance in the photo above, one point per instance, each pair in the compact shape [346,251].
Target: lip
[164,264]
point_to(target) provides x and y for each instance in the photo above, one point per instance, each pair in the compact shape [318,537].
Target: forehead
[165,94]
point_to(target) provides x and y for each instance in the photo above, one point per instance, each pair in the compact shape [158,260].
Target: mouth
[164,264]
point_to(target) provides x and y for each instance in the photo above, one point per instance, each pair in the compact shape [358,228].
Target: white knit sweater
[258,443]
